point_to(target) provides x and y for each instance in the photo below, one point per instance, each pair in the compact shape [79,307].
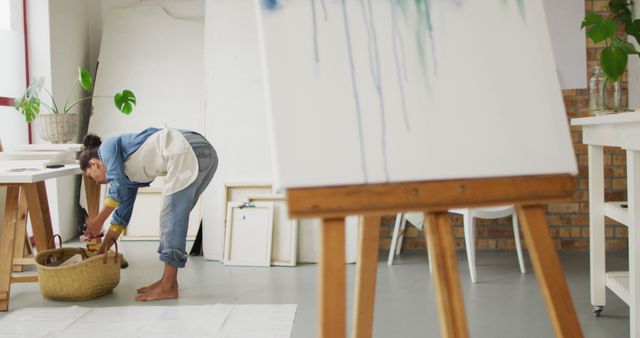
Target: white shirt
[165,153]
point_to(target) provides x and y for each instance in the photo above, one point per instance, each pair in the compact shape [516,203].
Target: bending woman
[131,161]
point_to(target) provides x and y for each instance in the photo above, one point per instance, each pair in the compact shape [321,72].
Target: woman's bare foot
[165,288]
[148,287]
[160,291]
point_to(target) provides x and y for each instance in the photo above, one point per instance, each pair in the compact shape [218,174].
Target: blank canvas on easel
[391,91]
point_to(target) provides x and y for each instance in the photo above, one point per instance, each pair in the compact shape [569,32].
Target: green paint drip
[422,26]
[522,10]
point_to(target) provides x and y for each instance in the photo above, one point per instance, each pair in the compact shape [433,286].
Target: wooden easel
[333,204]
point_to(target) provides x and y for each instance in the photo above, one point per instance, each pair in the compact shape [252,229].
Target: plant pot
[58,128]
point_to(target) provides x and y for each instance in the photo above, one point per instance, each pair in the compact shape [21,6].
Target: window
[5,15]
[13,129]
[12,58]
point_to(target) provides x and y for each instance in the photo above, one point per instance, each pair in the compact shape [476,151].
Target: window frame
[8,101]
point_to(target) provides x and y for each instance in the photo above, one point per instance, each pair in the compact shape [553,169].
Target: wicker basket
[58,128]
[95,276]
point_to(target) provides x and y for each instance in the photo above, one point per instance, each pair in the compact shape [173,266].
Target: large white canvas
[370,91]
[160,58]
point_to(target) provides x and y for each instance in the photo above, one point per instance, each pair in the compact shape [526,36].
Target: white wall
[235,108]
[99,10]
[58,44]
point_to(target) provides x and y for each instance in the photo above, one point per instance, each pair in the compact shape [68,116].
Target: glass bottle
[605,97]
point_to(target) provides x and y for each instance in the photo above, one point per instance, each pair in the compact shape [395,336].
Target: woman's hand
[94,227]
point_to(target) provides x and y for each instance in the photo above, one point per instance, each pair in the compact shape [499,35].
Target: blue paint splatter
[315,31]
[374,61]
[424,27]
[521,8]
[355,90]
[324,10]
[270,4]
[397,38]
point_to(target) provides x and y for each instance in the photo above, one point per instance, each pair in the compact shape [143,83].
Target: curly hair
[91,144]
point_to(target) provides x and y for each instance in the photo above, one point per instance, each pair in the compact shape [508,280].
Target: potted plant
[605,88]
[613,57]
[61,126]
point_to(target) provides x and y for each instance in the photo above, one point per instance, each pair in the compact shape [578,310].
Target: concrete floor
[504,303]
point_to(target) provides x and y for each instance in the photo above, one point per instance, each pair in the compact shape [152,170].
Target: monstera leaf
[30,108]
[85,79]
[125,101]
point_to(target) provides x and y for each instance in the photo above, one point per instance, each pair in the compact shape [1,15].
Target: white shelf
[616,212]
[618,282]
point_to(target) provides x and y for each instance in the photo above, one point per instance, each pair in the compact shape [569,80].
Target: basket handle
[115,259]
[53,241]
[52,244]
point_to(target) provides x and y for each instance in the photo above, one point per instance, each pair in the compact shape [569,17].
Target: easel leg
[39,213]
[21,232]
[7,243]
[332,289]
[366,270]
[549,272]
[453,320]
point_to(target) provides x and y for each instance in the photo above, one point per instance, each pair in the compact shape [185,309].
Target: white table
[25,191]
[616,130]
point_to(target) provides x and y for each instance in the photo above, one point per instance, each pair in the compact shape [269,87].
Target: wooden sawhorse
[19,199]
[32,198]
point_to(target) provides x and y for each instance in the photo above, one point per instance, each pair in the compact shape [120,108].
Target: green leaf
[125,101]
[602,31]
[591,19]
[35,87]
[85,79]
[633,28]
[30,108]
[629,48]
[619,7]
[613,61]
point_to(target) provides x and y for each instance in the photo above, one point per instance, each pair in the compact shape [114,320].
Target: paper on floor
[218,321]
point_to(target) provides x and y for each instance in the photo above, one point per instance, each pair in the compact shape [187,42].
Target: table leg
[366,270]
[7,243]
[596,228]
[453,320]
[633,197]
[549,272]
[92,190]
[332,288]
[39,213]
[19,244]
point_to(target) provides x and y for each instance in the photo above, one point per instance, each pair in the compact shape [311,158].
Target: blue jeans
[174,219]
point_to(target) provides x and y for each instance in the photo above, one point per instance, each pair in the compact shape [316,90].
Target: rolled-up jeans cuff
[174,258]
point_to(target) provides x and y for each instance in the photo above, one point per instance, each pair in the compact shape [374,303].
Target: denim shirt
[122,192]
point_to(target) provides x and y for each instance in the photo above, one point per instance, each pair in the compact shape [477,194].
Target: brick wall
[569,221]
